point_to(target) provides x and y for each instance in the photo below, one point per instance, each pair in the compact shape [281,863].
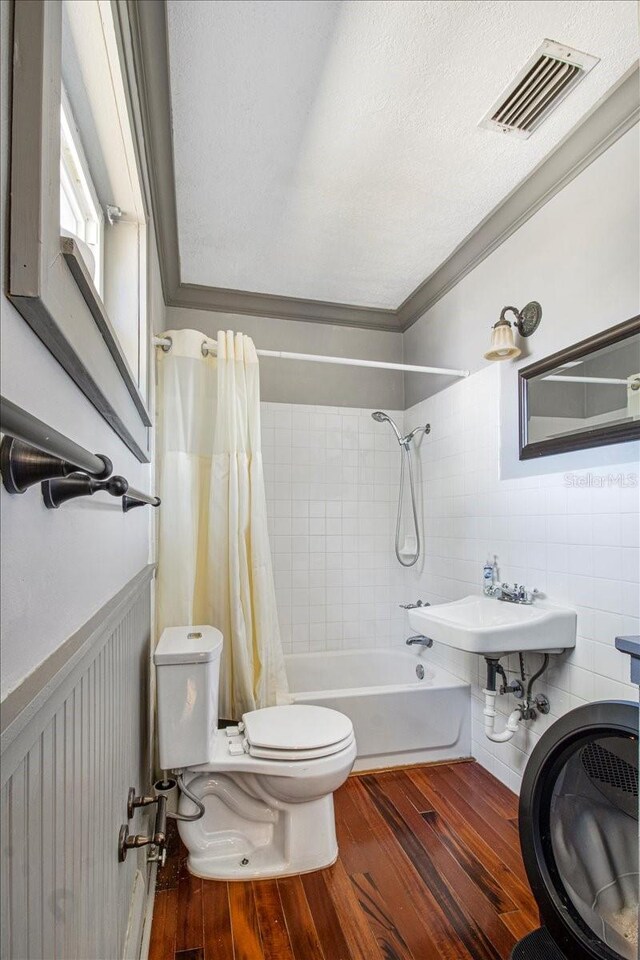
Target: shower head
[382,417]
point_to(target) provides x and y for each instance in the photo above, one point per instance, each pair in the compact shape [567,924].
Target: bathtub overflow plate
[420,672]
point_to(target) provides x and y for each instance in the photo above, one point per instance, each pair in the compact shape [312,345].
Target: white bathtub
[398,718]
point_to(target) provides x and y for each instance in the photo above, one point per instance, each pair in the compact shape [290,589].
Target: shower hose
[406,454]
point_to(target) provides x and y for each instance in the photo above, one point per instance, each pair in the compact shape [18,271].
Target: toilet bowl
[267,785]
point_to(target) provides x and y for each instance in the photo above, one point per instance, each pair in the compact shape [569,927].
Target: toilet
[267,784]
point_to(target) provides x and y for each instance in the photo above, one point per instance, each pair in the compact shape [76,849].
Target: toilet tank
[187,661]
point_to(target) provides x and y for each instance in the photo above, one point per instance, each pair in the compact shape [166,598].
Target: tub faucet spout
[419,639]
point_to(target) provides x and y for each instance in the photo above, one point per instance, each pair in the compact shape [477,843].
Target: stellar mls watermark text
[600,481]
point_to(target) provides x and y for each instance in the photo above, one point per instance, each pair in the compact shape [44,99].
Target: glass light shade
[502,343]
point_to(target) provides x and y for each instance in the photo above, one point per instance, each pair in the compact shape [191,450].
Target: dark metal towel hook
[57,492]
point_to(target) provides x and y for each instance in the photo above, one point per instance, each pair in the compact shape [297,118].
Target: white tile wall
[332,482]
[331,478]
[578,544]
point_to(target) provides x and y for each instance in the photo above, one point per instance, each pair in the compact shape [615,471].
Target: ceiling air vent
[542,83]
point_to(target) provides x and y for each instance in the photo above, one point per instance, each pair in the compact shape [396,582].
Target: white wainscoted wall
[68,760]
[332,485]
[578,544]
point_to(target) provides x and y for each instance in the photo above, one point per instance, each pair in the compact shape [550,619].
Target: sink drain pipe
[490,694]
[526,710]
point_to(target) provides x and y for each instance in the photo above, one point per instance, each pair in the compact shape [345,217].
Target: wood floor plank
[475,867]
[159,949]
[327,923]
[165,940]
[391,865]
[471,914]
[480,845]
[519,923]
[481,897]
[489,885]
[497,795]
[190,928]
[507,828]
[273,928]
[300,925]
[429,869]
[391,943]
[247,943]
[466,806]
[357,932]
[354,843]
[218,935]
[394,893]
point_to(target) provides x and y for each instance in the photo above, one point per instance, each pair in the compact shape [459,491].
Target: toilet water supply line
[182,788]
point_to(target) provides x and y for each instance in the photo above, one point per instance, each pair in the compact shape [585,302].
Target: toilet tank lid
[188,645]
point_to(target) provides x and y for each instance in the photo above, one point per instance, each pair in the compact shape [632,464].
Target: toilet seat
[291,732]
[265,753]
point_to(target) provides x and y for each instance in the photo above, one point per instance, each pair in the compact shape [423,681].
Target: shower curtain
[214,561]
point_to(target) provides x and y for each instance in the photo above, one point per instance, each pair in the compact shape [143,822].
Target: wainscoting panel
[74,741]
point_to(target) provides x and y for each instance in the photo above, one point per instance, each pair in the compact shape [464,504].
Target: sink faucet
[515,594]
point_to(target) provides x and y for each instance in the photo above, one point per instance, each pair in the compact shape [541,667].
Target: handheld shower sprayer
[405,453]
[384,418]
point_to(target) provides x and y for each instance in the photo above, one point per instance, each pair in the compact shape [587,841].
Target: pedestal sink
[492,628]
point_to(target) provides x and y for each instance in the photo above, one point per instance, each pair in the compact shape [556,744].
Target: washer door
[579,830]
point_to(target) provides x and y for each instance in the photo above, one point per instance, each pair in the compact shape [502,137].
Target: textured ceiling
[331,150]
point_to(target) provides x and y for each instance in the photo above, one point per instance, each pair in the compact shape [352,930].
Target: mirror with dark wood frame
[587,395]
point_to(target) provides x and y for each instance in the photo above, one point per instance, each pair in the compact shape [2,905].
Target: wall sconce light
[503,346]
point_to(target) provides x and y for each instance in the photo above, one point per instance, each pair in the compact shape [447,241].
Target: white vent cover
[541,85]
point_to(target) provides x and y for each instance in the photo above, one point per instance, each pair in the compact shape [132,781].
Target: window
[101,199]
[83,295]
[80,213]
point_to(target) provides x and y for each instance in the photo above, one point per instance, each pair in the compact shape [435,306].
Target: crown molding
[608,121]
[286,308]
[151,62]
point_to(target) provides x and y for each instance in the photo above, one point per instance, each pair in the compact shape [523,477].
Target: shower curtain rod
[210,346]
[614,381]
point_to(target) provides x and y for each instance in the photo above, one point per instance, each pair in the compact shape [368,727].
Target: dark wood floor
[429,867]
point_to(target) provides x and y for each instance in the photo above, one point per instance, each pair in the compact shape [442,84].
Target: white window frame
[49,283]
[79,192]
